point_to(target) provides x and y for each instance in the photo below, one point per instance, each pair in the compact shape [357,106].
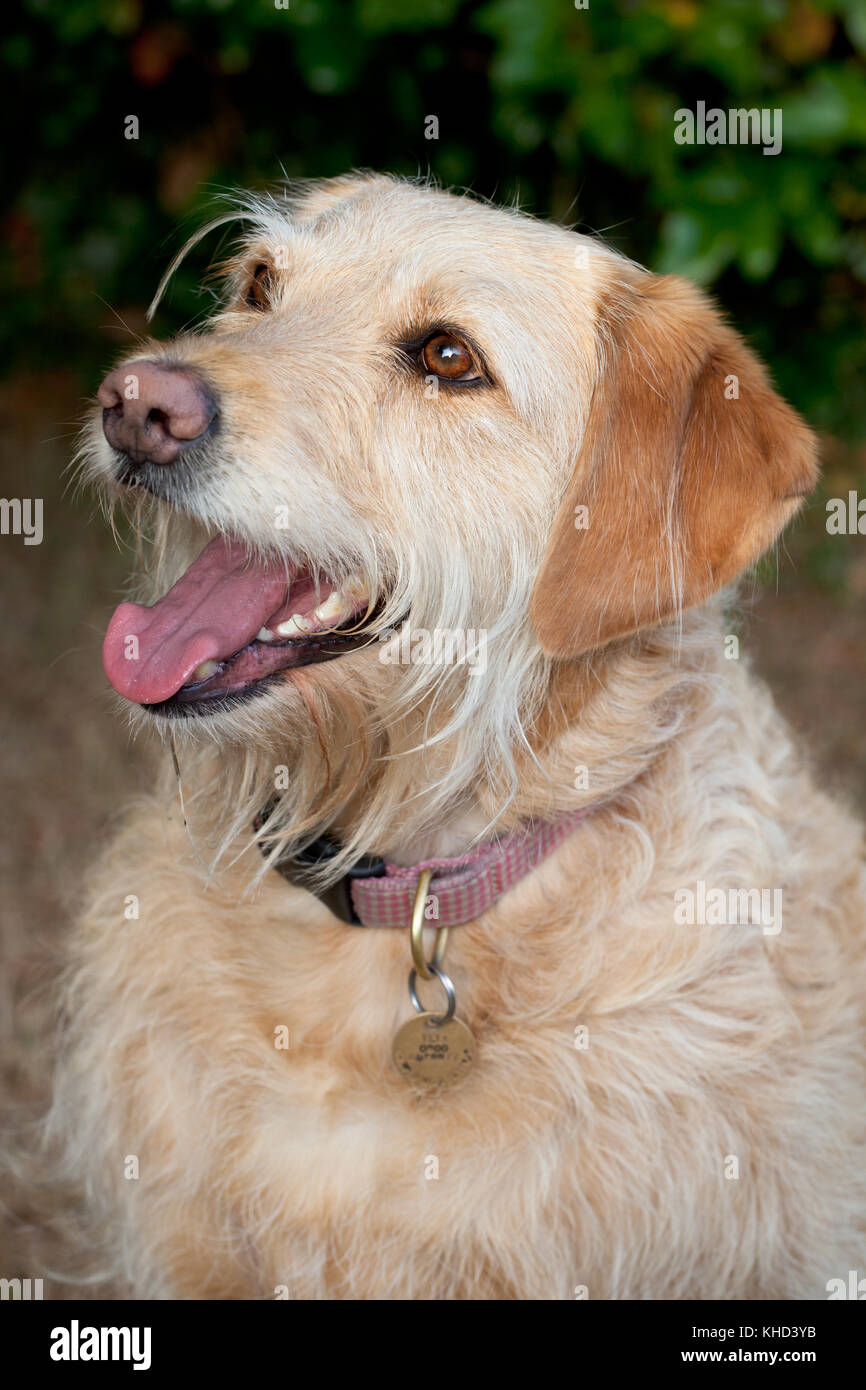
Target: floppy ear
[689,468]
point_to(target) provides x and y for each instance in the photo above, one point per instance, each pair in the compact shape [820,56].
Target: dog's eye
[259,293]
[446,356]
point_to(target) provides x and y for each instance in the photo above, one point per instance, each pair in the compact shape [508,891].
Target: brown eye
[445,356]
[261,285]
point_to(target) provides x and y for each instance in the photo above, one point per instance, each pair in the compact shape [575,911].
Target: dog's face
[388,429]
[415,409]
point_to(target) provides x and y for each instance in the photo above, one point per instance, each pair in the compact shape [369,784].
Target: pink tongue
[214,609]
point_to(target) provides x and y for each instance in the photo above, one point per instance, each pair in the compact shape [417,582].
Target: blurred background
[571,111]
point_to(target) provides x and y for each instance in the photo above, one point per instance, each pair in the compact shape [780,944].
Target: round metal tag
[432,1054]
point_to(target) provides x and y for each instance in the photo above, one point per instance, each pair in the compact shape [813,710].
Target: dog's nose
[150,410]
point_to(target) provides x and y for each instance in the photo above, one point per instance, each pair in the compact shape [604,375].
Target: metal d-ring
[450,994]
[426,969]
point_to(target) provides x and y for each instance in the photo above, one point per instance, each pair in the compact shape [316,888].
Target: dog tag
[433,1054]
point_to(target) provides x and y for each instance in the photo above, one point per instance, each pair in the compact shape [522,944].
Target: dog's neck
[601,727]
[379,893]
[447,840]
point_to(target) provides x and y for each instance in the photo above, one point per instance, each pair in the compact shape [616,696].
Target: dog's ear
[690,466]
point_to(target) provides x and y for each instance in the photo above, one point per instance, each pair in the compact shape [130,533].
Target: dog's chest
[281,1056]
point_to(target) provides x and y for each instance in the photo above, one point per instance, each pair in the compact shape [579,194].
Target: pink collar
[463,888]
[375,893]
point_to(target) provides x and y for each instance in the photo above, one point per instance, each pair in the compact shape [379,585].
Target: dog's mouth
[229,625]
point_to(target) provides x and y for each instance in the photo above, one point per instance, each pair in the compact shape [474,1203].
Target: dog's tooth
[207,668]
[339,604]
[335,607]
[295,624]
[264,634]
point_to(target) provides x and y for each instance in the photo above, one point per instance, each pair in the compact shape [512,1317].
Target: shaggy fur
[605,1166]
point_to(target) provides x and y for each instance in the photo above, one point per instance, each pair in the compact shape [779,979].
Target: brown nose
[150,410]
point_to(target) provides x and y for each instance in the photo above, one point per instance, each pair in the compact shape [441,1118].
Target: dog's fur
[609,1166]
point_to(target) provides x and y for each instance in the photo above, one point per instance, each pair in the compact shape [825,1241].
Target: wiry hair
[606,687]
[434,726]
[418,745]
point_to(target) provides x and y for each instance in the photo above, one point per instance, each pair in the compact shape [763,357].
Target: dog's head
[426,451]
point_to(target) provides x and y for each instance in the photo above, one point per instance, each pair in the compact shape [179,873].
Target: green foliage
[571,110]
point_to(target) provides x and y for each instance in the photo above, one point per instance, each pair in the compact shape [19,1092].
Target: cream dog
[464,488]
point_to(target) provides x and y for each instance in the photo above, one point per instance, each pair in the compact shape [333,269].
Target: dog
[442,513]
